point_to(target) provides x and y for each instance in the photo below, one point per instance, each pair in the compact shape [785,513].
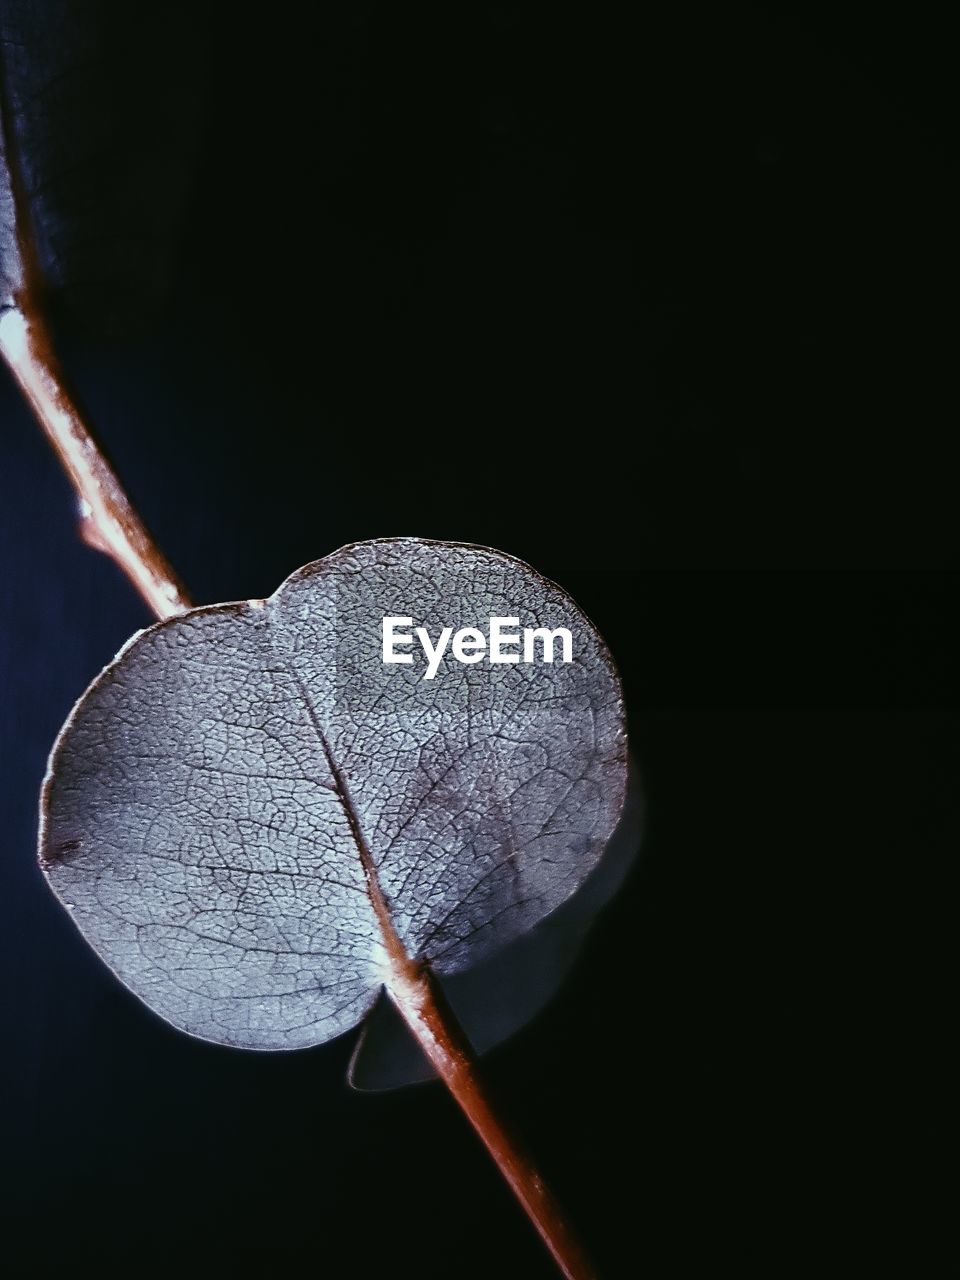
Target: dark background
[660,308]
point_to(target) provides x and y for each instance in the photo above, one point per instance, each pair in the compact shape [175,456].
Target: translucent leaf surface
[248,804]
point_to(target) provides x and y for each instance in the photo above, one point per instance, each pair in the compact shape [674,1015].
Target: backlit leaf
[248,802]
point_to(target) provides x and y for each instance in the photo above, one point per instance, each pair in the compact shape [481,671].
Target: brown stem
[433,1023]
[110,522]
[431,1020]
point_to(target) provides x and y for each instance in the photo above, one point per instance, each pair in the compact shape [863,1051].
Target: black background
[659,308]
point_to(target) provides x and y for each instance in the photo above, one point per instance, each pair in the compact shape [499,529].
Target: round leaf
[248,798]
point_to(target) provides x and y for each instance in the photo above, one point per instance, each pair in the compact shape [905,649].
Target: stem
[431,1020]
[434,1025]
[110,522]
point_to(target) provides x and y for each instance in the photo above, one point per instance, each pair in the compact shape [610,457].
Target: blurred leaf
[102,112]
[498,997]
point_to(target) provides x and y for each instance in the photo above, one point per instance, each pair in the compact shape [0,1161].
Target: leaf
[101,111]
[495,999]
[248,811]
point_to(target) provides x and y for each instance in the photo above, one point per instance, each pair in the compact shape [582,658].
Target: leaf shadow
[497,998]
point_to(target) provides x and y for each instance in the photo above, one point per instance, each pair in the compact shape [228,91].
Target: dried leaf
[248,807]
